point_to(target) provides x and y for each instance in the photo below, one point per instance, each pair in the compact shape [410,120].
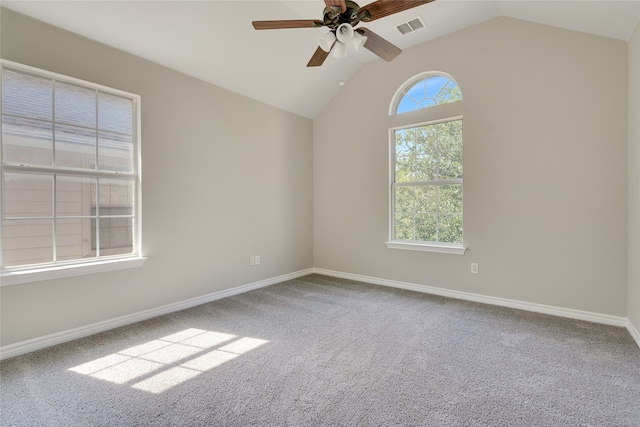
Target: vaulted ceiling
[214,40]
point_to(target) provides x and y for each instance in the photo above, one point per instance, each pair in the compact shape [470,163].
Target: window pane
[404,143]
[116,197]
[75,196]
[435,85]
[404,169]
[449,93]
[26,95]
[426,138]
[116,235]
[426,227]
[450,228]
[425,199]
[406,105]
[27,195]
[115,114]
[450,165]
[75,105]
[404,199]
[450,198]
[449,136]
[27,242]
[425,168]
[26,141]
[417,92]
[75,147]
[115,152]
[403,227]
[74,238]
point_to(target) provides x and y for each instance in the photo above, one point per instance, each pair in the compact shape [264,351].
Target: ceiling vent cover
[410,26]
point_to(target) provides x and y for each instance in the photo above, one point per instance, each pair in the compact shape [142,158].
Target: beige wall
[545,181]
[633,298]
[224,177]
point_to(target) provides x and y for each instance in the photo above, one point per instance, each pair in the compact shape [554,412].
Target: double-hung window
[70,176]
[426,172]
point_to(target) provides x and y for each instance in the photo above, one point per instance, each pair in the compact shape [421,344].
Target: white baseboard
[503,302]
[28,346]
[633,331]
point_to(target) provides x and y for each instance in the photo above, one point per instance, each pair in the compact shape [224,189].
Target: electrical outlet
[252,260]
[257,259]
[474,268]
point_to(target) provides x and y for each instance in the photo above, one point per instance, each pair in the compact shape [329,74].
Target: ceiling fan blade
[318,58]
[379,46]
[381,8]
[336,3]
[291,23]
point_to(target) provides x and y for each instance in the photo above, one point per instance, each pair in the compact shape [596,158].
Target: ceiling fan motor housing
[333,17]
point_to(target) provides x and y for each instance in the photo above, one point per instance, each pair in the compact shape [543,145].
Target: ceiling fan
[341,16]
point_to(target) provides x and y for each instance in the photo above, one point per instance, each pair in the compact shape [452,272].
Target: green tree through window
[428,183]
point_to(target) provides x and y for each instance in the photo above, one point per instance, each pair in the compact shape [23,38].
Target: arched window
[426,168]
[425,90]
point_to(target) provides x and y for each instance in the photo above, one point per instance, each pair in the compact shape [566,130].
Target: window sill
[427,247]
[16,277]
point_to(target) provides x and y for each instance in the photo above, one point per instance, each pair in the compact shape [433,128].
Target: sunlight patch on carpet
[158,365]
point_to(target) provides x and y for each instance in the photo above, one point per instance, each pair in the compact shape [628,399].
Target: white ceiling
[213,40]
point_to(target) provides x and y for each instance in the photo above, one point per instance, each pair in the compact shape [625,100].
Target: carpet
[322,351]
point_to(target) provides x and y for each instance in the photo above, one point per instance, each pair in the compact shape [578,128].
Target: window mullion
[66,171]
[53,121]
[97,216]
[96,129]
[97,160]
[55,219]
[414,231]
[425,183]
[53,157]
[437,213]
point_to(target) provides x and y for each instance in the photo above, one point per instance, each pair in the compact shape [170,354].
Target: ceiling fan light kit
[326,42]
[340,50]
[344,33]
[341,17]
[358,40]
[343,36]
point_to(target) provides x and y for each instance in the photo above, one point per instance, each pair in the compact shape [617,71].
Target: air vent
[410,26]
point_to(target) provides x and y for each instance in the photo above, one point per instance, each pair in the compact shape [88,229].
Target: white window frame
[430,115]
[38,272]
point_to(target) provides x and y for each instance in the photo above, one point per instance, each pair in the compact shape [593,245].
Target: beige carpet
[320,351]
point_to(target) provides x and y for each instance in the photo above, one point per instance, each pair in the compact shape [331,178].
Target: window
[425,91]
[70,174]
[427,169]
